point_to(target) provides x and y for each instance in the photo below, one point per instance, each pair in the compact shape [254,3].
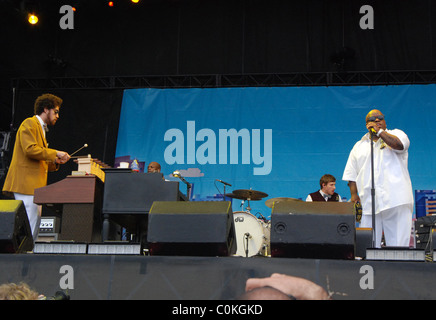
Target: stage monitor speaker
[363,241]
[203,228]
[15,232]
[319,230]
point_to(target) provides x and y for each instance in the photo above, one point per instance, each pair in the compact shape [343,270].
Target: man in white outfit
[393,188]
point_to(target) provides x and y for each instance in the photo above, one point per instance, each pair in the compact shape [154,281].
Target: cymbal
[270,202]
[235,196]
[244,194]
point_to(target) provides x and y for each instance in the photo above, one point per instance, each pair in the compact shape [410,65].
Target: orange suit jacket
[31,159]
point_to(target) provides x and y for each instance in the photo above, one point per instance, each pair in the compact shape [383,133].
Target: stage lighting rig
[30,8]
[32,18]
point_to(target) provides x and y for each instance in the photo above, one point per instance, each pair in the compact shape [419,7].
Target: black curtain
[167,37]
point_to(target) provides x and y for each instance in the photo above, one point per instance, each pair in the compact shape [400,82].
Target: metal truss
[231,80]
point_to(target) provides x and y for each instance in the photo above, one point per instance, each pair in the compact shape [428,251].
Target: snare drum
[252,235]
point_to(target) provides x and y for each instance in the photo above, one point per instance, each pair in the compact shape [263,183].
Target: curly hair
[21,291]
[47,100]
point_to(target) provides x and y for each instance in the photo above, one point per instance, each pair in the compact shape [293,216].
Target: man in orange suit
[32,159]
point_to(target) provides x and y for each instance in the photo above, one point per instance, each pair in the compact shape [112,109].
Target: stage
[136,277]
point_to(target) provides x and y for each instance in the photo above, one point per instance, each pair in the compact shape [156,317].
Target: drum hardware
[244,194]
[247,236]
[260,216]
[252,235]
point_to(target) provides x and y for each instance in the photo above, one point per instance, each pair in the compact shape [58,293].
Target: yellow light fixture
[32,18]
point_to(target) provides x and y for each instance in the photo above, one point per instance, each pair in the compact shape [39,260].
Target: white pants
[395,223]
[33,212]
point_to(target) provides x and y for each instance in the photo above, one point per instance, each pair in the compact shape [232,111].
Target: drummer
[327,191]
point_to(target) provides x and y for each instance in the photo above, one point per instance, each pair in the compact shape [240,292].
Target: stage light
[30,9]
[32,18]
[110,3]
[135,1]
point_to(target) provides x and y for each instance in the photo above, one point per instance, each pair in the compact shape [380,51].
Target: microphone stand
[188,187]
[224,183]
[177,174]
[372,190]
[246,236]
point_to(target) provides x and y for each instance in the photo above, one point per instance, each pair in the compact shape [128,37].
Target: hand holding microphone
[372,127]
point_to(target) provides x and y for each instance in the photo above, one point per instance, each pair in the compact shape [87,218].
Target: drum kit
[253,233]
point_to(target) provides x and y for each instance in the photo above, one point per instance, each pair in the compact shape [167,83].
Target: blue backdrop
[278,140]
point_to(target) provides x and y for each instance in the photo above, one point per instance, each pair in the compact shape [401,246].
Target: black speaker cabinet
[203,228]
[15,232]
[319,230]
[363,241]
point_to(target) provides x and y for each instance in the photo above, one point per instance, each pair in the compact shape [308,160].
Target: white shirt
[42,123]
[324,195]
[391,175]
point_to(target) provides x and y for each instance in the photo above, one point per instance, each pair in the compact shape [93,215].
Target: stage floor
[120,277]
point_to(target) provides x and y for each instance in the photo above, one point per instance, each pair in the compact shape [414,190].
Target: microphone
[177,174]
[373,131]
[84,146]
[227,184]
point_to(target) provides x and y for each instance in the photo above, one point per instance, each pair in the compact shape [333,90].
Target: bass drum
[252,235]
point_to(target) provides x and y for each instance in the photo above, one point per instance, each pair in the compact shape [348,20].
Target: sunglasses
[373,118]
